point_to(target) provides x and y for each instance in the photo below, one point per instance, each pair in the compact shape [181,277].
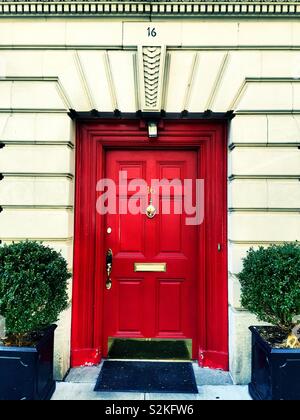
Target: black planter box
[275,372]
[26,373]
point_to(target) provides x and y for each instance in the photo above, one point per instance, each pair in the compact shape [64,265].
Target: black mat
[177,377]
[155,350]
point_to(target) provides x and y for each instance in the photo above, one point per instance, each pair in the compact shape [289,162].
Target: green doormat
[151,350]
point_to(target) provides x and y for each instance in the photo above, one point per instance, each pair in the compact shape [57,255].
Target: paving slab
[212,385]
[83,391]
[84,374]
[206,376]
[170,396]
[224,392]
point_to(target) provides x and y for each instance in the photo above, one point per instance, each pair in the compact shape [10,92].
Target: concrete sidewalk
[212,385]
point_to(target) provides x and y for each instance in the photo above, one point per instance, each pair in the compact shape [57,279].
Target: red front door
[146,303]
[189,299]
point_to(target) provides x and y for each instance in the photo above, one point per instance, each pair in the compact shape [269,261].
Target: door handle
[109,261]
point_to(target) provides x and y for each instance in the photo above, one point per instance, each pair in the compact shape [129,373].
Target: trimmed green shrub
[270,282]
[33,286]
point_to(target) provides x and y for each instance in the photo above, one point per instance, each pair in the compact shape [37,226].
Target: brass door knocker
[151,210]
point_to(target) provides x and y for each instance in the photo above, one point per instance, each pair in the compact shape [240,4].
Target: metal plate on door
[150,267]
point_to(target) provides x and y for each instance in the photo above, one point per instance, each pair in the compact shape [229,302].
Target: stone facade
[210,59]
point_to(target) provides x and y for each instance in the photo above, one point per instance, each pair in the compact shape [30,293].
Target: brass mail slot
[153,267]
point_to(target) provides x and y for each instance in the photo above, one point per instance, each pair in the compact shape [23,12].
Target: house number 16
[151,32]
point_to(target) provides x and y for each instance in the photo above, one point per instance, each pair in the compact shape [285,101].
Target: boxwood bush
[33,287]
[270,282]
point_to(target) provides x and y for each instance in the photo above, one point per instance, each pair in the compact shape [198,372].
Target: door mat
[155,350]
[173,377]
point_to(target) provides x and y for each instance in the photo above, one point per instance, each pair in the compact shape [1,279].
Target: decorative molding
[84,80]
[151,62]
[294,145]
[36,207]
[189,88]
[39,239]
[33,111]
[37,175]
[264,177]
[267,112]
[32,79]
[151,72]
[262,210]
[218,81]
[39,143]
[254,242]
[111,84]
[206,115]
[251,80]
[151,9]
[194,48]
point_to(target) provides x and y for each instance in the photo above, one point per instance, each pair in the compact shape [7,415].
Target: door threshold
[150,360]
[150,349]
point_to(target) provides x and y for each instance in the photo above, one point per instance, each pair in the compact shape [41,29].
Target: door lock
[109,258]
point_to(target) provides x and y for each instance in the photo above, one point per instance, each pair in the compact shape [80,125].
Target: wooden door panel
[129,306]
[154,306]
[130,240]
[125,238]
[170,233]
[171,170]
[169,307]
[134,170]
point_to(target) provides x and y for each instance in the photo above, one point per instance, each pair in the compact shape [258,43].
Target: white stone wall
[37,191]
[264,196]
[48,66]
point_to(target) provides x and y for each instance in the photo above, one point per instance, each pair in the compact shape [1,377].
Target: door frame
[93,138]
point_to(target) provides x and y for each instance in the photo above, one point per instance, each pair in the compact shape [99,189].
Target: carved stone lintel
[151,74]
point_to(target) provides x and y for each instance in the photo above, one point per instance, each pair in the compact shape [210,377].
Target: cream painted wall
[48,66]
[37,192]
